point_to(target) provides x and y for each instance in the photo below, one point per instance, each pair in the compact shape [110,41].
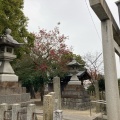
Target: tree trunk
[97,95]
[42,92]
[32,91]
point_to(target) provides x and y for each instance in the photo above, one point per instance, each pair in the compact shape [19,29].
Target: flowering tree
[48,51]
[49,55]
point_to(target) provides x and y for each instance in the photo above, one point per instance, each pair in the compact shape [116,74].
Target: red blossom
[51,46]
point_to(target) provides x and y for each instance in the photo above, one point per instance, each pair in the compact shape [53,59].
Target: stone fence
[93,95]
[17,112]
[27,111]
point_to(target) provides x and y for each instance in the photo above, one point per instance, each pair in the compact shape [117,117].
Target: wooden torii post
[111,44]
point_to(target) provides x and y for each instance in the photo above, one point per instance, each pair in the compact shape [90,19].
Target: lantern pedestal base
[8,77]
[74,83]
[75,97]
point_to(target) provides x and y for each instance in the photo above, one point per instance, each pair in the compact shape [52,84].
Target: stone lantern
[73,68]
[74,95]
[11,91]
[7,45]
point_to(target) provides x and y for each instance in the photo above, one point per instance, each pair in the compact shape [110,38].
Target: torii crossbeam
[111,43]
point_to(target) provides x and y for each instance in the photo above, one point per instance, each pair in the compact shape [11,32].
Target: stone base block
[12,90]
[74,83]
[10,84]
[75,97]
[8,77]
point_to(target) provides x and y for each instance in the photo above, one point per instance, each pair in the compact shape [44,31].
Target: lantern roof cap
[74,63]
[8,39]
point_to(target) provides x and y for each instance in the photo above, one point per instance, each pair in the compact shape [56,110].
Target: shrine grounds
[67,114]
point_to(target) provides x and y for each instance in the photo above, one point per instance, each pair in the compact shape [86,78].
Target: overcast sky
[75,22]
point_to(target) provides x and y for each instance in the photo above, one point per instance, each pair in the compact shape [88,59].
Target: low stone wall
[74,103]
[13,90]
[14,98]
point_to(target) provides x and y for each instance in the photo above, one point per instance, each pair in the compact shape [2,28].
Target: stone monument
[74,95]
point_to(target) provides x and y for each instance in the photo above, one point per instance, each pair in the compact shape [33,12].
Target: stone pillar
[53,102]
[3,108]
[58,115]
[111,82]
[118,4]
[97,95]
[15,110]
[48,107]
[57,90]
[30,111]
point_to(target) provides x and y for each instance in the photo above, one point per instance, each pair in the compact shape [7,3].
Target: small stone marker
[53,102]
[58,115]
[48,107]
[15,110]
[3,108]
[30,111]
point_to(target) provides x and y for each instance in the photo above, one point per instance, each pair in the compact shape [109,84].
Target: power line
[97,58]
[95,29]
[93,21]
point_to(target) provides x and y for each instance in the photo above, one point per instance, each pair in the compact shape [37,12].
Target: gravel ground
[67,114]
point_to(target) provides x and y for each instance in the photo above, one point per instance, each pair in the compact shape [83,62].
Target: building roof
[82,75]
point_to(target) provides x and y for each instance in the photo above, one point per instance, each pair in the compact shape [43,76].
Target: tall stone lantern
[73,68]
[7,45]
[10,89]
[74,95]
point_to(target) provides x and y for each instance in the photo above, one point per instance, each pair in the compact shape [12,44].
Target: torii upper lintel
[103,12]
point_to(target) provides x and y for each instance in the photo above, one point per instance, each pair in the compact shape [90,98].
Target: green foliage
[12,16]
[119,82]
[79,60]
[101,84]
[91,88]
[25,69]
